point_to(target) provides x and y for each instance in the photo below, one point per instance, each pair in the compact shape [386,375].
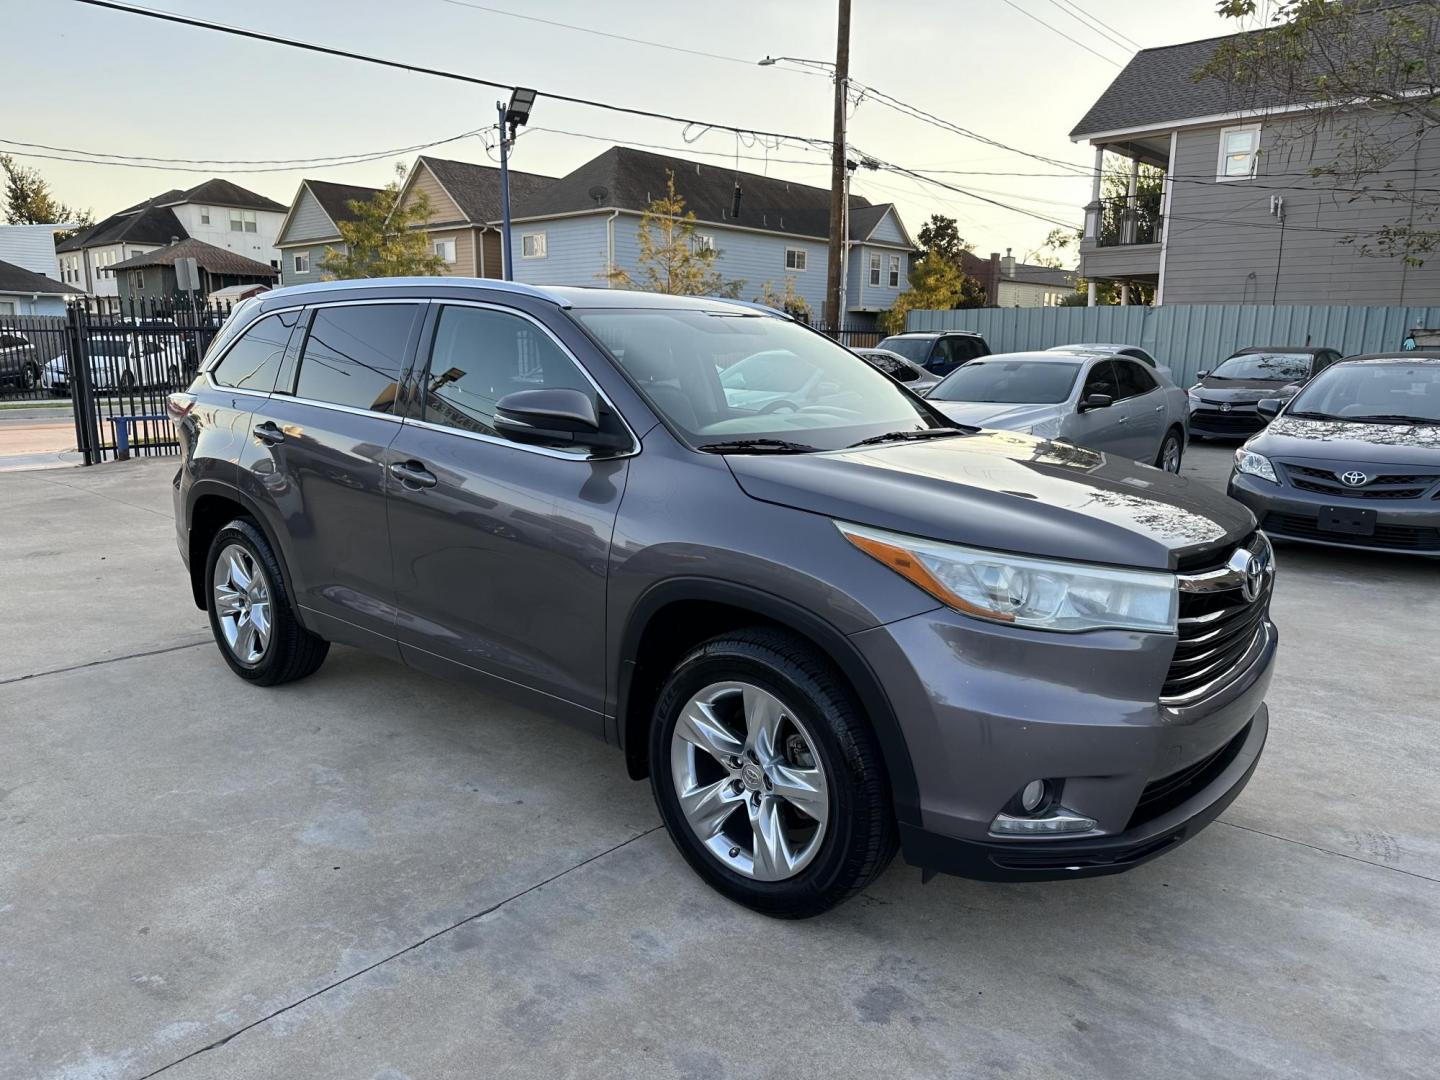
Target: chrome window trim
[220,388]
[478,436]
[336,407]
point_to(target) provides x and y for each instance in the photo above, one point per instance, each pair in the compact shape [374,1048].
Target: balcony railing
[1130,219]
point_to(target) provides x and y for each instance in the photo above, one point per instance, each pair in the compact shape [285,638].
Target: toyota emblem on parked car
[1224,406]
[1355,478]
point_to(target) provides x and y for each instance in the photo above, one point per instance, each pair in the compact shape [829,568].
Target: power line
[330,159]
[901,170]
[345,54]
[1056,30]
[1125,38]
[1085,22]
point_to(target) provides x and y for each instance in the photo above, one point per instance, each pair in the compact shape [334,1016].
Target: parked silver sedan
[1108,403]
[914,377]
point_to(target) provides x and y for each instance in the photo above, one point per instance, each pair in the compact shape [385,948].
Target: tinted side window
[1101,380]
[1134,380]
[892,367]
[1141,355]
[253,361]
[354,354]
[479,356]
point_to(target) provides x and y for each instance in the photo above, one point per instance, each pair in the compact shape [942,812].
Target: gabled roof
[219,192]
[864,220]
[1031,274]
[476,188]
[1158,87]
[145,224]
[335,199]
[16,279]
[209,257]
[626,179]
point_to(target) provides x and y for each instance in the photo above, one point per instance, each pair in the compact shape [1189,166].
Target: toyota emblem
[1224,406]
[1254,577]
[1355,478]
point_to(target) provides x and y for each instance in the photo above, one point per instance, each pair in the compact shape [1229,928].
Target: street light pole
[834,298]
[506,271]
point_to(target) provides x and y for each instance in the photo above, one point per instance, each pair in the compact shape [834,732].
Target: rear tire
[251,615]
[1171,451]
[735,789]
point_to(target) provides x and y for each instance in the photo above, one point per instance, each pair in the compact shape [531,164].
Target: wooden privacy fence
[1187,337]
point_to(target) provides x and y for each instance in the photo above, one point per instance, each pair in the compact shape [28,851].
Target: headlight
[1194,396]
[1247,461]
[1025,591]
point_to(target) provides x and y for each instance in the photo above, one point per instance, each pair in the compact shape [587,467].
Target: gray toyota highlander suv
[823,632]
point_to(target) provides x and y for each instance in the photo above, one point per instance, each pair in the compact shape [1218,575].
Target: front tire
[768,777]
[1171,451]
[248,601]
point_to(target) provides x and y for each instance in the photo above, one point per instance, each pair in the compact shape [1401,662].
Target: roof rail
[429,282]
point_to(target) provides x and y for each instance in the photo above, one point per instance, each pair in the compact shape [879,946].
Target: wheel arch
[210,507]
[673,616]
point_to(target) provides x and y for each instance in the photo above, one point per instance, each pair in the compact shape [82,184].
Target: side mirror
[1269,407]
[559,416]
[1202,373]
[1095,401]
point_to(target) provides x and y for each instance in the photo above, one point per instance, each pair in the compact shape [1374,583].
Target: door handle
[1159,408]
[269,433]
[413,474]
[1124,420]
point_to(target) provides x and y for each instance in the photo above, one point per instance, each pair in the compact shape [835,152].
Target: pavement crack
[408,949]
[107,660]
[1330,851]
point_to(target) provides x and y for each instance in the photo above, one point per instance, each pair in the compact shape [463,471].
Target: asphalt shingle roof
[476,188]
[153,222]
[16,279]
[632,179]
[209,257]
[1031,274]
[219,192]
[335,199]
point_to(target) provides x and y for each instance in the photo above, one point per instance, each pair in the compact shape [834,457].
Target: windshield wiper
[758,446]
[1313,415]
[912,436]
[1393,418]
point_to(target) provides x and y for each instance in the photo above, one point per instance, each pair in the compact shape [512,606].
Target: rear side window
[1101,380]
[254,360]
[354,355]
[1134,380]
[896,369]
[479,356]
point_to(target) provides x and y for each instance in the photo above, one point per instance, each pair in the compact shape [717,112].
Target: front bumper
[1404,526]
[985,709]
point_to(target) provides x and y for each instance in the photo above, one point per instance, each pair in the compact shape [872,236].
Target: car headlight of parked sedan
[1247,461]
[1041,594]
[1194,395]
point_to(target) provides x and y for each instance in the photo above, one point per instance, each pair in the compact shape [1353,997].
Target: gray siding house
[149,279]
[1239,216]
[311,227]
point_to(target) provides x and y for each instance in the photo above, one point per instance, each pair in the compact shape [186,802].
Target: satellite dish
[599,193]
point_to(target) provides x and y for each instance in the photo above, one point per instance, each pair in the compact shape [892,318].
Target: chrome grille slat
[1217,629]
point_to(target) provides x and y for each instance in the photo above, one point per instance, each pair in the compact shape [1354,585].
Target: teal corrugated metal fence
[1186,337]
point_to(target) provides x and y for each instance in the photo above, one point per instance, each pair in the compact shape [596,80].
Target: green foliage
[671,261]
[29,201]
[937,276]
[941,235]
[1371,70]
[384,239]
[786,299]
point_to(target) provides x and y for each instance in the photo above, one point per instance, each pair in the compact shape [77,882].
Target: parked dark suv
[823,633]
[937,351]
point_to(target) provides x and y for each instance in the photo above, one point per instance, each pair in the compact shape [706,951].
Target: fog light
[1032,796]
[1058,821]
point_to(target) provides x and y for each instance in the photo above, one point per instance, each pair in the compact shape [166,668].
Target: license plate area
[1353,521]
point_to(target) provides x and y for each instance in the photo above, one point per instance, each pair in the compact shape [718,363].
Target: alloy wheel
[1170,455]
[242,604]
[750,783]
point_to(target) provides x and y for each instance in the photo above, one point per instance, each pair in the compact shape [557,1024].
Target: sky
[89,79]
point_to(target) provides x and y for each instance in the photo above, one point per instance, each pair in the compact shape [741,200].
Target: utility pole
[506,266]
[834,300]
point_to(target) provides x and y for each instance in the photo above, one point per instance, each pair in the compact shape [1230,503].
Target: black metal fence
[113,372]
[854,337]
[1130,219]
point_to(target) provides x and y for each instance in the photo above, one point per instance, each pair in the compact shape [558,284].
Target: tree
[671,259]
[936,283]
[941,235]
[29,201]
[1370,72]
[787,299]
[383,240]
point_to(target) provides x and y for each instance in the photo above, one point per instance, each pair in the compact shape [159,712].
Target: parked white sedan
[117,362]
[1109,403]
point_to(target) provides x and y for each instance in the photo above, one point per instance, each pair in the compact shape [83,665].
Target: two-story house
[765,231]
[312,227]
[1215,203]
[216,212]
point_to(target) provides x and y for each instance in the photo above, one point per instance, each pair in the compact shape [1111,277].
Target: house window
[875,268]
[702,242]
[138,279]
[242,220]
[445,249]
[532,245]
[795,258]
[1239,152]
[204,215]
[302,263]
[894,271]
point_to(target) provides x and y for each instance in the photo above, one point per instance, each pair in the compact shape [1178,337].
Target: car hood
[1010,492]
[1292,439]
[992,414]
[1242,389]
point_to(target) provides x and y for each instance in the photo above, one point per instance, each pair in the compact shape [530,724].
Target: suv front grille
[1222,615]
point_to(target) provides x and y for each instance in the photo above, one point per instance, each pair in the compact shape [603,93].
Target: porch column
[1124,294]
[1091,300]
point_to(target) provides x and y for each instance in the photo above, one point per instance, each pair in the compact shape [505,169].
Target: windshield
[720,377]
[912,348]
[1028,382]
[1361,392]
[1278,367]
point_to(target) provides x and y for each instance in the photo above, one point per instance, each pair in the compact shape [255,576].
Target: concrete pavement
[375,874]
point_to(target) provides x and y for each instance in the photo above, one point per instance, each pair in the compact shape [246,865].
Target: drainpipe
[610,246]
